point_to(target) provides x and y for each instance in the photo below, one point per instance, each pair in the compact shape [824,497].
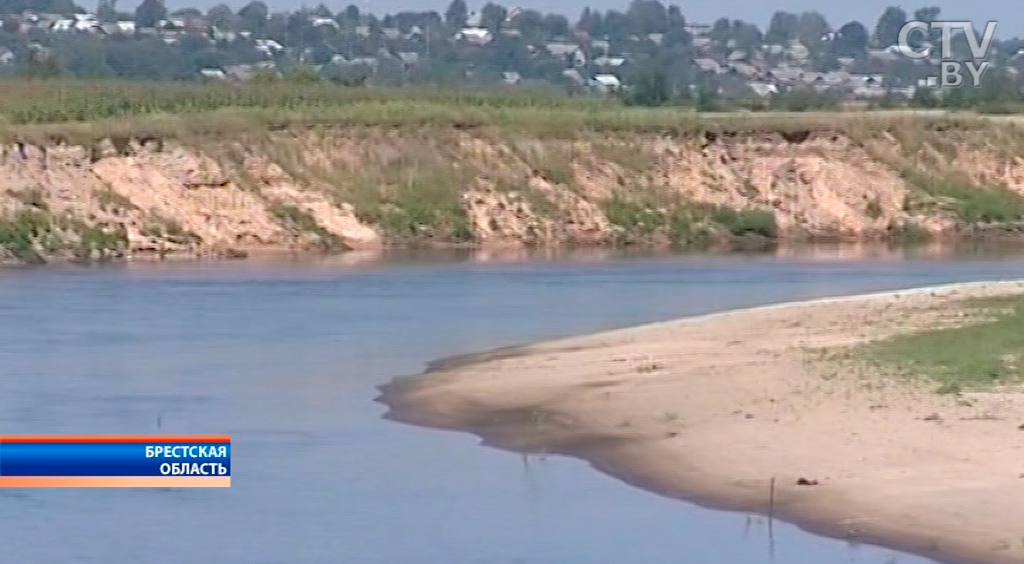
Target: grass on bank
[32,235]
[27,101]
[300,222]
[972,204]
[85,111]
[685,223]
[980,354]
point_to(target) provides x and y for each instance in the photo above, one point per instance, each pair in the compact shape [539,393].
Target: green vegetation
[629,155]
[32,198]
[634,218]
[552,163]
[411,180]
[987,351]
[84,112]
[411,191]
[972,204]
[873,209]
[745,221]
[298,221]
[97,242]
[27,101]
[685,223]
[113,202]
[422,205]
[170,230]
[20,234]
[33,235]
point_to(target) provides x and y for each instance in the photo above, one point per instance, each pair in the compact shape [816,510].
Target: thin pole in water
[771,518]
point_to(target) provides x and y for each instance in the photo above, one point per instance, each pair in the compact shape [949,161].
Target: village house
[606,83]
[474,35]
[6,57]
[324,22]
[569,52]
[609,62]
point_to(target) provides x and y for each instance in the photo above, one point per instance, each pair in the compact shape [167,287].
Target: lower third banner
[115,461]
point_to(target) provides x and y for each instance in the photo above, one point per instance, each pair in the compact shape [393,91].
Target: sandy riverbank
[711,408]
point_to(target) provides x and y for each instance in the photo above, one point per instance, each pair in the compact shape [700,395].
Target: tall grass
[972,204]
[301,222]
[41,111]
[685,223]
[32,235]
[25,101]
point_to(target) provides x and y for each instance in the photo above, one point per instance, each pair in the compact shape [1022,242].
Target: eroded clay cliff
[356,188]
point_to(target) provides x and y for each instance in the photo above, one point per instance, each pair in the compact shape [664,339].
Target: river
[286,355]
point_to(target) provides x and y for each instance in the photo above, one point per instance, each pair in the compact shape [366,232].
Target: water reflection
[1005,248]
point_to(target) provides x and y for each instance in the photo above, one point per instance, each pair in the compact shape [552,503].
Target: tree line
[655,41]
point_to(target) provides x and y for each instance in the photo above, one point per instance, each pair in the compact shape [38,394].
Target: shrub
[746,221]
[299,221]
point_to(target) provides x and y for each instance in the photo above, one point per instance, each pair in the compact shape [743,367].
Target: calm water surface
[285,357]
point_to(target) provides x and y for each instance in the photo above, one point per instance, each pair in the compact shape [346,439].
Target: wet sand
[716,408]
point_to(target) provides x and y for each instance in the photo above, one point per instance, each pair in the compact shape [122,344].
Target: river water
[285,356]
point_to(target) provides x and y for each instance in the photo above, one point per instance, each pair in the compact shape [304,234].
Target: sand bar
[711,408]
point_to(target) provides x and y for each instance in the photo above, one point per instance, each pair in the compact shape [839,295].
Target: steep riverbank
[442,184]
[714,408]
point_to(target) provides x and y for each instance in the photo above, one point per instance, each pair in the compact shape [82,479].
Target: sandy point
[713,408]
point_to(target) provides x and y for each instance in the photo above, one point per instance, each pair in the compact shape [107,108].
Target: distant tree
[106,11]
[43,65]
[456,15]
[254,16]
[150,13]
[651,87]
[84,56]
[187,13]
[675,18]
[300,30]
[322,11]
[887,30]
[826,61]
[209,58]
[929,15]
[221,17]
[589,21]
[149,58]
[647,16]
[810,28]
[851,40]
[530,24]
[355,75]
[492,16]
[746,35]
[804,97]
[676,34]
[556,25]
[616,24]
[783,27]
[924,98]
[63,7]
[706,98]
[352,13]
[997,86]
[721,30]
